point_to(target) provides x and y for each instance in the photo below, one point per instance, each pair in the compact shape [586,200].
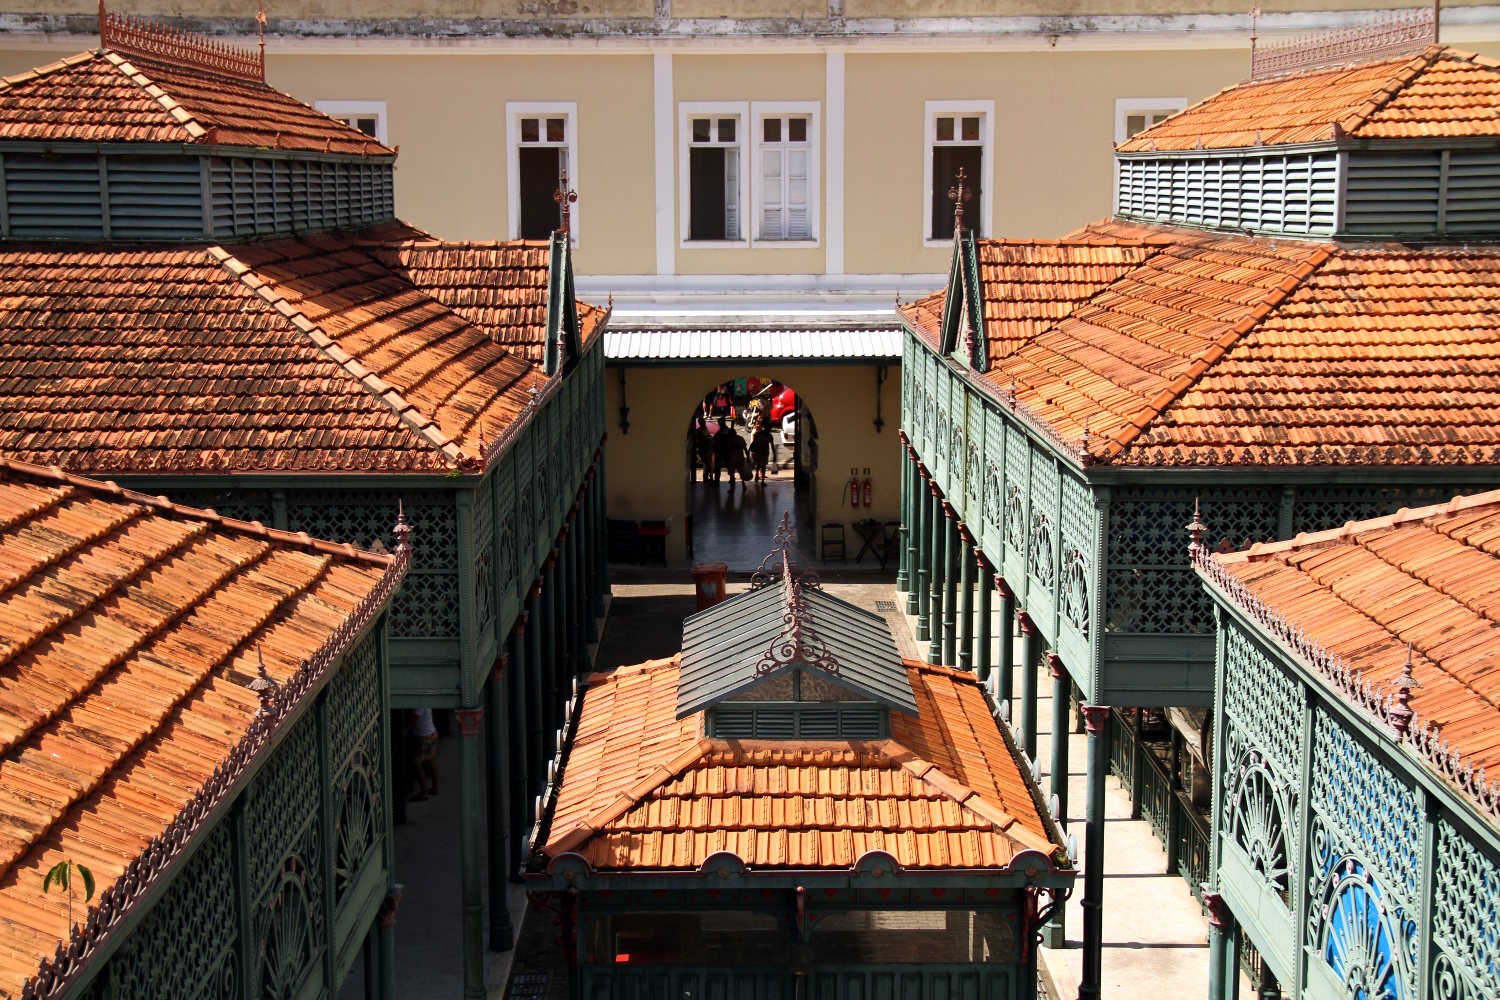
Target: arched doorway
[751,454]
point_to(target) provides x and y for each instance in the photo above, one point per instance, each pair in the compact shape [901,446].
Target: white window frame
[811,110]
[514,112]
[957,109]
[358,109]
[1127,106]
[686,111]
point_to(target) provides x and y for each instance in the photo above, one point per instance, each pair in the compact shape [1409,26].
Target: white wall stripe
[833,190]
[666,170]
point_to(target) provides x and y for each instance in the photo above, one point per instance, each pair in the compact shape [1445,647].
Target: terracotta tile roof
[1029,285]
[1223,349]
[109,97]
[499,287]
[307,354]
[1441,92]
[129,631]
[642,790]
[1429,578]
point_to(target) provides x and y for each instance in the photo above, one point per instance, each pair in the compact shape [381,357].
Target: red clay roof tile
[641,789]
[129,630]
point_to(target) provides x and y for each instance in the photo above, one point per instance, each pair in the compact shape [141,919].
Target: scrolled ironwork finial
[1400,711]
[1195,530]
[402,530]
[958,194]
[564,196]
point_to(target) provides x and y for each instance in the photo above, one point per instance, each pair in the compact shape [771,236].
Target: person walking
[424,762]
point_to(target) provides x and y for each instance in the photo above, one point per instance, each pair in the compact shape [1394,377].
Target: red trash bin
[708,583]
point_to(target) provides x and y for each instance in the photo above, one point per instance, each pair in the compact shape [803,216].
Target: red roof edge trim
[134,34]
[56,976]
[1424,738]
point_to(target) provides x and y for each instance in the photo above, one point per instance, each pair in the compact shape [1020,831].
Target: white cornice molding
[540,36]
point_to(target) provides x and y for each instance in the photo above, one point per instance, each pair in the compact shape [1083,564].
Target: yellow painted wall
[648,472]
[750,78]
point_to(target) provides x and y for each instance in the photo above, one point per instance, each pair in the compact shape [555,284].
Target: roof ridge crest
[964,797]
[1215,351]
[401,408]
[1398,82]
[66,62]
[632,796]
[171,108]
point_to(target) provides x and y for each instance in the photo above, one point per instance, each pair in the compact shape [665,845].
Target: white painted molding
[662,97]
[514,112]
[358,109]
[1127,106]
[833,167]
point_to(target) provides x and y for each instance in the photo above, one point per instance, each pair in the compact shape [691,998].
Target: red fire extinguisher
[867,487]
[851,491]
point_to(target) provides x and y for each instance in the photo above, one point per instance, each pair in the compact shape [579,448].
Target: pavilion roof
[1222,349]
[644,791]
[130,631]
[1357,602]
[1439,93]
[319,353]
[130,96]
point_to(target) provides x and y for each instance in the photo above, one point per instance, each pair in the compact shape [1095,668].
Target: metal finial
[1195,530]
[260,20]
[402,531]
[958,194]
[263,685]
[564,196]
[1401,712]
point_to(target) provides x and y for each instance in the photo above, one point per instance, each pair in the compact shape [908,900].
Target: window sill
[714,245]
[789,244]
[939,244]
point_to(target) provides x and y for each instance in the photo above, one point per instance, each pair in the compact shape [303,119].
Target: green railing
[1145,771]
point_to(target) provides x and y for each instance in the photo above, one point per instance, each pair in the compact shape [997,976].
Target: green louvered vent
[155,198]
[1393,193]
[783,721]
[261,197]
[53,197]
[1293,194]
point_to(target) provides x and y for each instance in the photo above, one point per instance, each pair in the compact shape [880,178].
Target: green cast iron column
[468,837]
[1096,717]
[1031,660]
[1223,948]
[1055,933]
[950,602]
[518,699]
[580,597]
[536,696]
[497,775]
[903,567]
[562,584]
[939,532]
[966,601]
[982,636]
[551,712]
[601,516]
[572,628]
[591,557]
[921,541]
[1006,662]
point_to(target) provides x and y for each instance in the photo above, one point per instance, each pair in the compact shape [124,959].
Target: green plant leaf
[58,874]
[88,883]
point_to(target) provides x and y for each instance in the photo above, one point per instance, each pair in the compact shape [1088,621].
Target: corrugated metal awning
[780,343]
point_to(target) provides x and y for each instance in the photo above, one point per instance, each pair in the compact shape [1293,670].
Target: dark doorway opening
[541,170]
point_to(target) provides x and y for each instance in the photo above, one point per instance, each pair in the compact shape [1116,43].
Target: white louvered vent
[1295,194]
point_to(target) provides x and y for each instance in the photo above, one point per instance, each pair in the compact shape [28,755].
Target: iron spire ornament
[958,194]
[564,196]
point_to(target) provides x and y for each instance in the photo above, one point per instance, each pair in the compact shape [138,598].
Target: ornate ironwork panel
[426,606]
[1321,508]
[283,801]
[245,505]
[939,457]
[994,475]
[1077,555]
[483,525]
[1151,587]
[1017,483]
[1364,871]
[186,945]
[1041,553]
[1465,918]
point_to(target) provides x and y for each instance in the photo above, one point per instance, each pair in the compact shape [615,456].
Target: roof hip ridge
[934,777]
[1215,351]
[400,407]
[631,797]
[1398,82]
[170,107]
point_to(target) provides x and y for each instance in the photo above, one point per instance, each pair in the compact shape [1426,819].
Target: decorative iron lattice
[483,521]
[1383,33]
[1150,587]
[354,700]
[290,927]
[975,482]
[1077,553]
[993,507]
[1356,926]
[940,440]
[243,505]
[1255,814]
[1017,462]
[1015,521]
[507,553]
[1074,592]
[362,517]
[929,421]
[1319,509]
[186,945]
[360,820]
[484,590]
[1366,807]
[426,607]
[957,447]
[1265,703]
[1041,555]
[526,518]
[284,801]
[1465,918]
